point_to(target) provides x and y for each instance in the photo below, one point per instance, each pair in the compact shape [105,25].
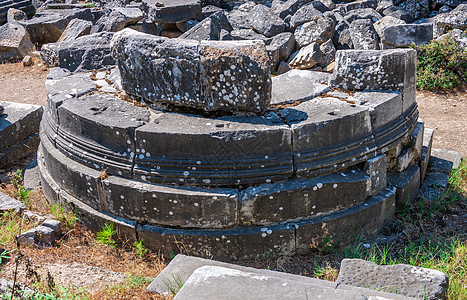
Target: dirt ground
[445,113]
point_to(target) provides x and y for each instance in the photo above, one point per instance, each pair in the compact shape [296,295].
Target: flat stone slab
[9,204]
[172,11]
[407,184]
[297,85]
[421,283]
[223,76]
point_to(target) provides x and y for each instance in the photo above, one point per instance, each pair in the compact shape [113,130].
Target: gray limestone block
[376,169]
[403,279]
[401,14]
[409,151]
[216,151]
[341,37]
[248,34]
[328,51]
[210,282]
[117,18]
[455,19]
[348,225]
[170,205]
[15,42]
[232,244]
[403,35]
[273,54]
[307,13]
[363,35]
[406,183]
[302,198]
[9,204]
[208,29]
[426,152]
[14,15]
[44,236]
[289,7]
[388,70]
[75,29]
[31,176]
[307,57]
[384,107]
[385,22]
[358,5]
[264,21]
[297,85]
[49,26]
[74,178]
[319,30]
[418,8]
[88,52]
[328,122]
[49,54]
[443,160]
[437,180]
[286,43]
[234,76]
[362,13]
[17,153]
[18,123]
[172,11]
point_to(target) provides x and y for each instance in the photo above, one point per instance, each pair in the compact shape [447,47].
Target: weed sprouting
[106,235]
[173,284]
[139,248]
[21,193]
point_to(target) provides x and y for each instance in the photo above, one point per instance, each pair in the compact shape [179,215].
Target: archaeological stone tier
[230,180]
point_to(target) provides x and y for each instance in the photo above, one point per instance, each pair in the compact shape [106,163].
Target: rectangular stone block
[172,11]
[377,170]
[387,70]
[426,152]
[408,152]
[384,107]
[407,184]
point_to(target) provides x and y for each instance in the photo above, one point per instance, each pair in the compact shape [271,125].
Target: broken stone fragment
[209,29]
[263,20]
[229,76]
[307,57]
[14,42]
[319,31]
[172,11]
[363,35]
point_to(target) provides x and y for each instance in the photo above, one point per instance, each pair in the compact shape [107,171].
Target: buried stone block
[376,169]
[206,75]
[406,183]
[387,70]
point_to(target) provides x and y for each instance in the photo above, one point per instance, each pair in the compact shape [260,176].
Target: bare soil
[78,262]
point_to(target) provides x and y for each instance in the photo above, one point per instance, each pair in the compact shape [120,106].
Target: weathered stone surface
[14,14]
[403,35]
[342,37]
[456,19]
[407,152]
[307,57]
[418,8]
[385,22]
[319,31]
[172,11]
[406,183]
[405,279]
[363,35]
[286,43]
[15,42]
[444,161]
[300,199]
[117,18]
[209,282]
[31,176]
[263,20]
[217,76]
[231,150]
[328,53]
[247,34]
[297,85]
[388,70]
[401,14]
[384,107]
[306,14]
[289,7]
[170,206]
[362,13]
[437,180]
[75,29]
[376,169]
[426,151]
[9,204]
[49,54]
[24,5]
[89,52]
[209,29]
[48,27]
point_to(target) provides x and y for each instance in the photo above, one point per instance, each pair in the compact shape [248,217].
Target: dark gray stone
[388,70]
[209,10]
[286,43]
[172,11]
[358,5]
[385,22]
[341,37]
[362,13]
[376,169]
[232,150]
[407,280]
[89,52]
[49,54]
[444,161]
[307,57]
[263,20]
[437,180]
[297,85]
[400,13]
[305,14]
[363,35]
[418,8]
[247,34]
[406,183]
[75,29]
[408,152]
[426,152]
[31,176]
[9,204]
[328,53]
[301,199]
[184,26]
[319,31]
[48,27]
[15,42]
[117,18]
[289,7]
[217,76]
[209,29]
[23,5]
[403,35]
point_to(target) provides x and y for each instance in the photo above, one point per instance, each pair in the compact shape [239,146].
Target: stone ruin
[193,147]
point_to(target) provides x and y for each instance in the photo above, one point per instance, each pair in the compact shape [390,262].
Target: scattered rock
[27,61]
[9,204]
[363,35]
[319,31]
[14,42]
[209,29]
[14,15]
[264,21]
[307,57]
